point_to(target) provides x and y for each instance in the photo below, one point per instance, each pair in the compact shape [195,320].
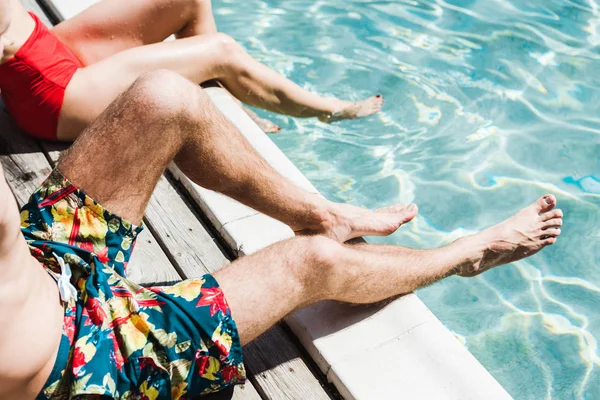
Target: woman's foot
[343,222]
[520,236]
[348,110]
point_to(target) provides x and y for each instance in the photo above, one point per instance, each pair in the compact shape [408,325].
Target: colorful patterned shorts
[122,340]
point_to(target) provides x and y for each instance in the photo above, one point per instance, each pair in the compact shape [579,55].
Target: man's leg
[164,117]
[264,287]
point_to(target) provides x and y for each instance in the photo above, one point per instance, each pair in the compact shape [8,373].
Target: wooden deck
[178,243]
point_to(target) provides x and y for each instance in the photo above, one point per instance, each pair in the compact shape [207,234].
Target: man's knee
[163,94]
[319,258]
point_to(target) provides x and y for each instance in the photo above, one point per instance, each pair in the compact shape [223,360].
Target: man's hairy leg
[264,287]
[30,309]
[164,117]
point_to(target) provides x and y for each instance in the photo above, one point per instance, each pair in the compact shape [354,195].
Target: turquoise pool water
[489,104]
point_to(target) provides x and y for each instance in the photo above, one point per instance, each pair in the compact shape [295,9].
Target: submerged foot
[348,222]
[264,124]
[360,109]
[520,236]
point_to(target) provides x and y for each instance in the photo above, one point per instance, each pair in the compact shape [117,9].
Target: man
[101,334]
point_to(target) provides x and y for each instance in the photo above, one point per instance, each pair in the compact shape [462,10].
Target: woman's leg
[198,58]
[111,26]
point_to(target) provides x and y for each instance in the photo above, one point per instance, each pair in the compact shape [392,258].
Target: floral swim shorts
[121,340]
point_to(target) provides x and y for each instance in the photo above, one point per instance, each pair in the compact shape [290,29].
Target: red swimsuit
[33,82]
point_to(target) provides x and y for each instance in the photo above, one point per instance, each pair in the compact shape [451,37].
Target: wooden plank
[273,362]
[149,265]
[25,167]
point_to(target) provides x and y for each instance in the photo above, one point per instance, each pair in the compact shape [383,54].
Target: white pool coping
[398,350]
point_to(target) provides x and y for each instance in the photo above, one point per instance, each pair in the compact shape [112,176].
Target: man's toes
[551,215]
[551,232]
[544,203]
[552,223]
[396,208]
[406,212]
[410,212]
[549,241]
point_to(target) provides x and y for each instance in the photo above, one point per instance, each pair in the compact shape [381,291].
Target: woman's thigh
[94,87]
[111,26]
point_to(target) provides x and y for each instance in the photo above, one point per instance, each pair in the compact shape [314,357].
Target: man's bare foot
[348,110]
[520,236]
[264,124]
[345,222]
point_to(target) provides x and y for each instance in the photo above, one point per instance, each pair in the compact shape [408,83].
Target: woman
[55,82]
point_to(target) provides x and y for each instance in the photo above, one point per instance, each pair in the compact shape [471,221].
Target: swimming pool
[489,104]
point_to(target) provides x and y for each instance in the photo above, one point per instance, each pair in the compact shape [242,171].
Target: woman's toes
[551,215]
[555,222]
[549,241]
[544,203]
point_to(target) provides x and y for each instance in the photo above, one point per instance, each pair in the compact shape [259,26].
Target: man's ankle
[468,252]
